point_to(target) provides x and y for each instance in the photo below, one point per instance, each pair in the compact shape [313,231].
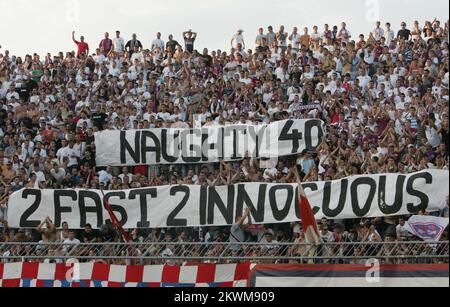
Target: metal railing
[168,252]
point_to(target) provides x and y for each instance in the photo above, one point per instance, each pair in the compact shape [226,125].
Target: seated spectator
[70,241]
[401,230]
[89,235]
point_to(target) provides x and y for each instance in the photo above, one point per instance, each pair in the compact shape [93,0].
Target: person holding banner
[237,231]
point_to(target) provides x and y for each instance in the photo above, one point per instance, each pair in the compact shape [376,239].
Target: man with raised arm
[83,47]
[189,39]
[237,231]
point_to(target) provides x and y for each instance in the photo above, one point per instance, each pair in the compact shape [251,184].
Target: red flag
[114,220]
[309,223]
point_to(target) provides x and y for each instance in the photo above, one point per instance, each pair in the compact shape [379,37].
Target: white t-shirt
[137,56]
[148,115]
[69,243]
[400,105]
[378,33]
[10,95]
[130,176]
[259,38]
[363,81]
[270,172]
[401,231]
[432,136]
[328,237]
[167,253]
[115,72]
[295,39]
[164,116]
[119,44]
[72,242]
[71,153]
[390,35]
[238,39]
[158,43]
[345,34]
[40,177]
[82,121]
[104,177]
[372,236]
[58,176]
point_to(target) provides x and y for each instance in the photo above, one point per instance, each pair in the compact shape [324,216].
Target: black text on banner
[206,145]
[193,206]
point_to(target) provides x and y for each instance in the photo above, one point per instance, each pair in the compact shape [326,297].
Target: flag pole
[115,221]
[309,223]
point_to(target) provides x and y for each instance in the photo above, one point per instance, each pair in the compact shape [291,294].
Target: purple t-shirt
[106,45]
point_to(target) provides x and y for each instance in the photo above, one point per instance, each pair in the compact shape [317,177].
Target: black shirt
[131,45]
[262,49]
[3,116]
[26,89]
[405,34]
[382,228]
[110,236]
[189,42]
[27,122]
[90,140]
[296,75]
[90,161]
[207,59]
[444,134]
[433,41]
[99,120]
[90,63]
[89,236]
[172,45]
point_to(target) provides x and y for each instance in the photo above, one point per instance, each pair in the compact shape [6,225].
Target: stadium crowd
[383,96]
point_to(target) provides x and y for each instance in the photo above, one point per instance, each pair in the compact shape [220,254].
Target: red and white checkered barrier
[212,275]
[105,275]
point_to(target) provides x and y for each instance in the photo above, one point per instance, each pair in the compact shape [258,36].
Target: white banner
[192,206]
[206,145]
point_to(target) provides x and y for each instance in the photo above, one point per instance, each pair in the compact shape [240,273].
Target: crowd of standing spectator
[383,96]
